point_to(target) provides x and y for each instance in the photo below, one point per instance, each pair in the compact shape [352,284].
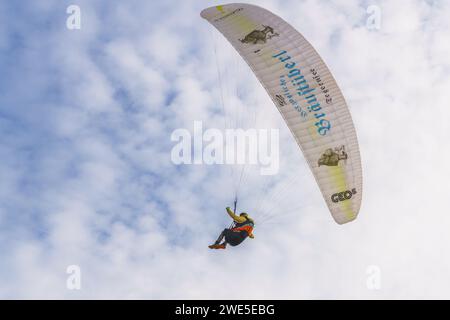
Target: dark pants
[233,238]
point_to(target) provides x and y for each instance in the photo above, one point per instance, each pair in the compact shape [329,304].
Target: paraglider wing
[305,93]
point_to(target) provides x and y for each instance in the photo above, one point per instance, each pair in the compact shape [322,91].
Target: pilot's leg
[219,240]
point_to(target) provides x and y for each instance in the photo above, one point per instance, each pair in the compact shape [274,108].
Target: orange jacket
[239,219]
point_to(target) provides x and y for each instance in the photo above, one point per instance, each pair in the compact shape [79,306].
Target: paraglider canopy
[304,91]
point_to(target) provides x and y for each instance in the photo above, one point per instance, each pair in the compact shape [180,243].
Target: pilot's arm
[237,219]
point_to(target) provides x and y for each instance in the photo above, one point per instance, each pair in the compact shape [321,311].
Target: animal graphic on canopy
[257,36]
[332,157]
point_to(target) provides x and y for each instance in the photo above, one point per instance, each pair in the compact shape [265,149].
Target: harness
[244,226]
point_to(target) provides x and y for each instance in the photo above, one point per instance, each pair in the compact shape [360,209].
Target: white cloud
[87,179]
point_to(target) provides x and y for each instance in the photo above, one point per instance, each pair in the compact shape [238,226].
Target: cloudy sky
[86,177]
